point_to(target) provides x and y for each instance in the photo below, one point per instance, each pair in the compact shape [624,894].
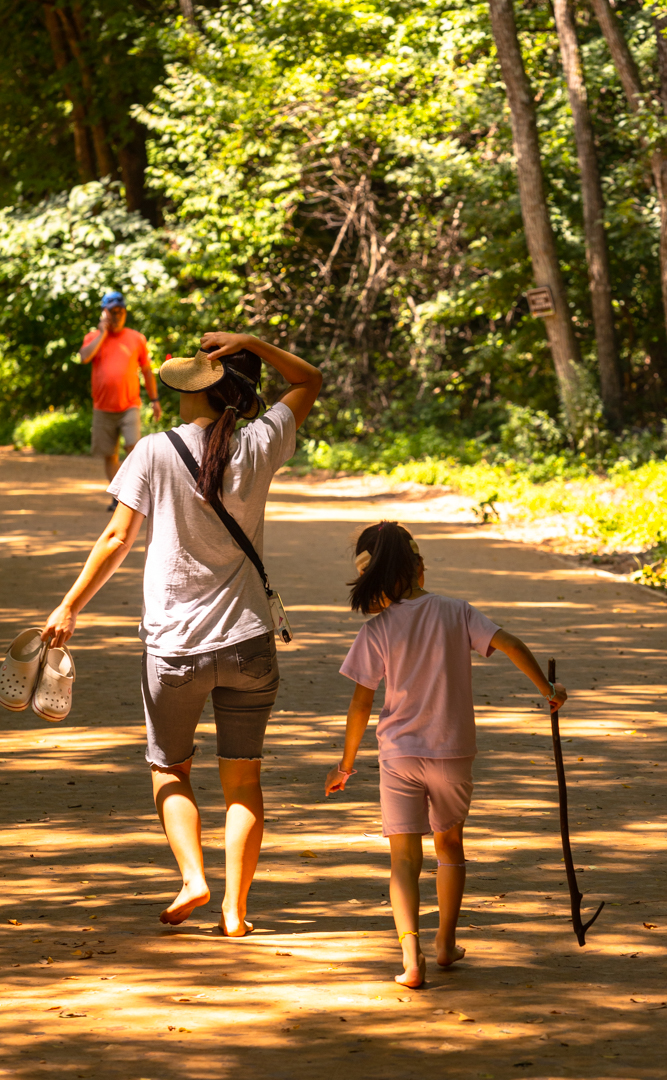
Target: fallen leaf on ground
[308,855]
[93,896]
[83,955]
[466,1019]
[37,941]
[405,999]
[170,1027]
[105,952]
[46,961]
[651,925]
[181,999]
[53,1008]
[67,1014]
[185,1029]
[354,901]
[14,922]
[342,1020]
[293,1028]
[280,953]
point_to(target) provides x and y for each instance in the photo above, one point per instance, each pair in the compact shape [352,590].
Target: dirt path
[94,986]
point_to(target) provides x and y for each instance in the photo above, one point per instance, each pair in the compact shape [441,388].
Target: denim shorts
[242,680]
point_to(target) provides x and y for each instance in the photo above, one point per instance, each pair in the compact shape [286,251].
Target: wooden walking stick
[575,896]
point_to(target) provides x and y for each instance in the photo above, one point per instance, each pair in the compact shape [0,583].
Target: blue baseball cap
[113,299]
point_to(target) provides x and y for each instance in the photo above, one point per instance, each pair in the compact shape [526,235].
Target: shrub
[58,431]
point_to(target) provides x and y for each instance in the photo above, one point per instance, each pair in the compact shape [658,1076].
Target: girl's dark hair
[233,390]
[391,571]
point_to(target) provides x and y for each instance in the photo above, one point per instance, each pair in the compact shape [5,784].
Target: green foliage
[338,177]
[56,259]
[57,431]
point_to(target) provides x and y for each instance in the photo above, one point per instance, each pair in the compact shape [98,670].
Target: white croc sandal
[52,699]
[20,670]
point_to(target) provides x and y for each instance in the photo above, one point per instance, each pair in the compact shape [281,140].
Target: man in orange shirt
[117,353]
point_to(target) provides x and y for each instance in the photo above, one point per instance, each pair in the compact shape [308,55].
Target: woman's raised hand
[225,344]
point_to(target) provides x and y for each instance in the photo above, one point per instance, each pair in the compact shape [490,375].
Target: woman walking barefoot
[206,623]
[420,643]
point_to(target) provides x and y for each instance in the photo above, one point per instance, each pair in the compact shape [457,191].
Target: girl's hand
[336,779]
[559,698]
[60,626]
[226,344]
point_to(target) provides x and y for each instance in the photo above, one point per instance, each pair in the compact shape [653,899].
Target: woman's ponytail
[391,571]
[232,397]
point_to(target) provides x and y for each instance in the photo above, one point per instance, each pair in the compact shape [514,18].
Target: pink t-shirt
[421,648]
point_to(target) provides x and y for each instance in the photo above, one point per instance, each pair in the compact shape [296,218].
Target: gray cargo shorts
[242,680]
[108,428]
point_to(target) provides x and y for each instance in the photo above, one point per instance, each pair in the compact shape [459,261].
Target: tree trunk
[597,253]
[72,27]
[629,76]
[539,234]
[82,148]
[188,11]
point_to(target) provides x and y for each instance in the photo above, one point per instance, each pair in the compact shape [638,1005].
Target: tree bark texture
[74,30]
[82,148]
[597,253]
[629,76]
[537,224]
[188,11]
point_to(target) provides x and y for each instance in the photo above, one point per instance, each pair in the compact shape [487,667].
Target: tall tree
[597,253]
[634,92]
[537,224]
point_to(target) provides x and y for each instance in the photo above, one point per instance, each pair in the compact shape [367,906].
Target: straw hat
[192,374]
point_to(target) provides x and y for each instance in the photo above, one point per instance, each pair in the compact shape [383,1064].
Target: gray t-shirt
[200,591]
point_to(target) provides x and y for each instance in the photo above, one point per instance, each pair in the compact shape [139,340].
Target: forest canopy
[340,177]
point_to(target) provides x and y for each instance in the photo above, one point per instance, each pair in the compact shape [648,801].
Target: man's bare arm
[151,389]
[87,352]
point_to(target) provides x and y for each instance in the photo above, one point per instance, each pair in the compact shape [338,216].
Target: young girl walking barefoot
[420,644]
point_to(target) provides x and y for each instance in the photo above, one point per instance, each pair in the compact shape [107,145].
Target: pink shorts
[420,795]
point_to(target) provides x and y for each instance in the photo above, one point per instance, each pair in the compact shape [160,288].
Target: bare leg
[451,879]
[179,814]
[406,864]
[111,465]
[244,829]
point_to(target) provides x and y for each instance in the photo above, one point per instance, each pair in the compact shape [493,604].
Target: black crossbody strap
[226,518]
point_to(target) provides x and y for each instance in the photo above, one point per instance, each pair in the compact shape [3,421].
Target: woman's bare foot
[233,926]
[447,955]
[414,974]
[192,895]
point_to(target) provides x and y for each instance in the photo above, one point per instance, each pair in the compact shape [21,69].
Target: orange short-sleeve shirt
[115,374]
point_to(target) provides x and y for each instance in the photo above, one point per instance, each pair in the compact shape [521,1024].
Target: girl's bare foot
[447,955]
[192,895]
[232,926]
[414,974]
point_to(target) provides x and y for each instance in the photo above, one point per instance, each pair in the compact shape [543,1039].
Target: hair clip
[362,560]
